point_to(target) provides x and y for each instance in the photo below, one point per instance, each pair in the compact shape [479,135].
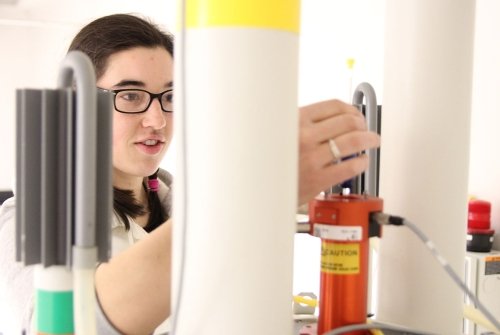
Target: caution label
[340,258]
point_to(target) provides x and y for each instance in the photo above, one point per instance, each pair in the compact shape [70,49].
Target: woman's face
[140,141]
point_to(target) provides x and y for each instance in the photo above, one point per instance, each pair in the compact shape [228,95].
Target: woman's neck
[134,184]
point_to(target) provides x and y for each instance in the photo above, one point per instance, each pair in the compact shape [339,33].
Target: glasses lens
[167,100]
[131,101]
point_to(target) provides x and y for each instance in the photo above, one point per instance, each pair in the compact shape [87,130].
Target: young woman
[133,59]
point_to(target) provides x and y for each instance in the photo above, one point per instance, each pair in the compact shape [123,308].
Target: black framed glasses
[136,100]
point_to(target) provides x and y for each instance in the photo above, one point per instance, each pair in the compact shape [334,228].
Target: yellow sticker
[275,14]
[340,258]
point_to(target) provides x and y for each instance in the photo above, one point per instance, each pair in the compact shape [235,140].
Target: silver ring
[334,150]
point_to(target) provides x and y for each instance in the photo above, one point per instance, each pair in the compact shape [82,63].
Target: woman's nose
[154,116]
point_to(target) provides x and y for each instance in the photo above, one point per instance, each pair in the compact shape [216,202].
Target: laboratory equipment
[64,194]
[342,222]
[482,277]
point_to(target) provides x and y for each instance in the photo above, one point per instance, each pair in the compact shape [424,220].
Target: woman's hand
[320,122]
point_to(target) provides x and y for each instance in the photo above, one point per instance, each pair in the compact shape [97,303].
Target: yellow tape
[305,300]
[274,14]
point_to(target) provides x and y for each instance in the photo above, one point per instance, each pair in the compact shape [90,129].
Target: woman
[134,60]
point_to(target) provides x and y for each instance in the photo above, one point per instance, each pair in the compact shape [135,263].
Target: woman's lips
[150,147]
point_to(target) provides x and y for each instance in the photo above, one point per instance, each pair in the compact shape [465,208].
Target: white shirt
[16,280]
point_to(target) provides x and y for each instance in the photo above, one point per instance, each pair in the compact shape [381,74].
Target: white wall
[484,170]
[331,32]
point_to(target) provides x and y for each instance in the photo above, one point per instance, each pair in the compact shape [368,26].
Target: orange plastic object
[342,223]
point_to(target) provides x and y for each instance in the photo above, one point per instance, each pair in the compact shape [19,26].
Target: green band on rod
[54,312]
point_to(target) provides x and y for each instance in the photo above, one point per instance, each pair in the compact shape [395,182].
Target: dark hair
[99,40]
[113,33]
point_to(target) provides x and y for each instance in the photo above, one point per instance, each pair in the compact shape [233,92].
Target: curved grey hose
[366,90]
[78,66]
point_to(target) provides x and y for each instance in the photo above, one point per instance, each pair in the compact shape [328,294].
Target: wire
[385,219]
[374,326]
[182,177]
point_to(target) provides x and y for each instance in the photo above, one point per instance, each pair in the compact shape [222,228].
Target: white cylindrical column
[236,193]
[424,159]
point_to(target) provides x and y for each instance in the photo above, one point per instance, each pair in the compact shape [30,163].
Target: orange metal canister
[342,223]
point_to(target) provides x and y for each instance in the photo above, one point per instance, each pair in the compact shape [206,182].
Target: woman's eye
[131,96]
[168,97]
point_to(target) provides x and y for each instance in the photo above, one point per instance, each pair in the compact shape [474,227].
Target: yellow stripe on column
[274,14]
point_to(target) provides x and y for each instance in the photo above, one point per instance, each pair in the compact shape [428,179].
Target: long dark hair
[99,40]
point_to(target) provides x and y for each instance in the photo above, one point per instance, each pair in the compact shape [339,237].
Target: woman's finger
[348,145]
[323,110]
[338,125]
[312,184]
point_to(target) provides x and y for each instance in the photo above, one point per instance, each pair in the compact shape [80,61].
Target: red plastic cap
[479,214]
